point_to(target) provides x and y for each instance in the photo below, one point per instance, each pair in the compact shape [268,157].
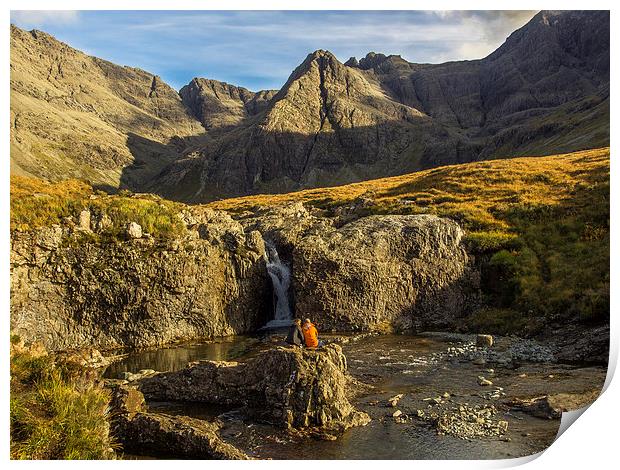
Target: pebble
[466,422]
[397,413]
[393,402]
[484,382]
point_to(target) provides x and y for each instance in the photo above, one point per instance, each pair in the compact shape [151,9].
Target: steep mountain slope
[73,115]
[545,90]
[218,104]
[328,124]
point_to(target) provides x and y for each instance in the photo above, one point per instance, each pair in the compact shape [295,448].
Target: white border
[591,443]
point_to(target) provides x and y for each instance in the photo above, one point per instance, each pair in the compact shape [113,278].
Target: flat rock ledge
[181,436]
[288,387]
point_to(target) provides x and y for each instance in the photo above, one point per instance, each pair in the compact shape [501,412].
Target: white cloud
[37,18]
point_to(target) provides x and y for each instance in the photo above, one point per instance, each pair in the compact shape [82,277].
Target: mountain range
[544,91]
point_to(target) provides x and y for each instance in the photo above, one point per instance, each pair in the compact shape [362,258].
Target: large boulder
[142,432]
[289,387]
[405,270]
[375,272]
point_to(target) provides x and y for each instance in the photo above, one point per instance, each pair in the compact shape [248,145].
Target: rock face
[218,104]
[70,290]
[289,387]
[142,432]
[409,272]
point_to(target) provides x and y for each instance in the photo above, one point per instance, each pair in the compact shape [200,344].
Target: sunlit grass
[35,203]
[54,415]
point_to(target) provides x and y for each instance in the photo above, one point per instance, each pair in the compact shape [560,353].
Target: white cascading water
[280,275]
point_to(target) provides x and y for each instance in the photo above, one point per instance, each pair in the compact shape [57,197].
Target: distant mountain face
[545,90]
[73,115]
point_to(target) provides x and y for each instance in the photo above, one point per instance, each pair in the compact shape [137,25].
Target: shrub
[53,416]
[485,242]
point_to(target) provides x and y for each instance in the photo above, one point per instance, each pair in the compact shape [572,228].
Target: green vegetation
[35,203]
[538,227]
[54,413]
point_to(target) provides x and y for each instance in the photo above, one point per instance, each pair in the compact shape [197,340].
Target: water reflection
[176,357]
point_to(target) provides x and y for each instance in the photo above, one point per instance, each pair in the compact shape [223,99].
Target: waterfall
[280,275]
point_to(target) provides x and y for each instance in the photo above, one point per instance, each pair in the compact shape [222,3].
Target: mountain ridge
[545,90]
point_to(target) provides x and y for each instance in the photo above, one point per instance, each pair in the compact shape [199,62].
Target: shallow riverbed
[419,367]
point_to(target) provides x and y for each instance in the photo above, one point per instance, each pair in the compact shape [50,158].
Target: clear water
[176,357]
[391,364]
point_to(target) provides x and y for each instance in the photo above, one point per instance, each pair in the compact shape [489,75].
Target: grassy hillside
[36,203]
[539,228]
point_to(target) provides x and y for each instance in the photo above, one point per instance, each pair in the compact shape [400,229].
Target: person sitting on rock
[311,335]
[295,335]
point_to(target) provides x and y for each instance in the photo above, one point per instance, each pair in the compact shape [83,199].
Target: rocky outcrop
[289,387]
[408,272]
[72,289]
[141,432]
[218,104]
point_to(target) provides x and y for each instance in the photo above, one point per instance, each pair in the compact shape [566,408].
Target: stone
[289,387]
[484,382]
[397,413]
[142,432]
[103,223]
[134,230]
[484,341]
[552,406]
[393,402]
[83,358]
[84,220]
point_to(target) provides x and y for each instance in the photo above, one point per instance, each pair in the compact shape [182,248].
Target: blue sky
[259,49]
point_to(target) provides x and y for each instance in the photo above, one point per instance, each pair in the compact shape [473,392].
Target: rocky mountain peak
[352,62]
[321,94]
[219,104]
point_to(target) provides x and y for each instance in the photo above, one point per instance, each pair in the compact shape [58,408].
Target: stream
[419,367]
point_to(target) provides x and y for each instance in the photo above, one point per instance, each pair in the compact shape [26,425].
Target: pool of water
[175,357]
[415,366]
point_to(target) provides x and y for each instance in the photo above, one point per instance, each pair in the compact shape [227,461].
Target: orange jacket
[311,336]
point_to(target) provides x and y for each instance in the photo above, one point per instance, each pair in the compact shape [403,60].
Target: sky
[259,49]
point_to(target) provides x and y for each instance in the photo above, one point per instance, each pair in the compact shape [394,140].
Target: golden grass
[477,194]
[36,203]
